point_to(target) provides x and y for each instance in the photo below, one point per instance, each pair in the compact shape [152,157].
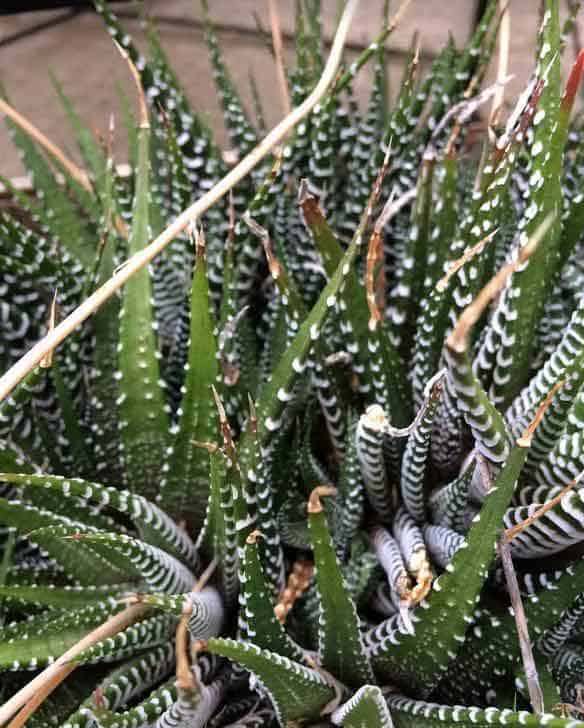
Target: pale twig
[37,690]
[533,686]
[346,78]
[276,28]
[510,533]
[393,206]
[468,255]
[27,363]
[201,582]
[375,280]
[185,679]
[458,339]
[53,150]
[527,436]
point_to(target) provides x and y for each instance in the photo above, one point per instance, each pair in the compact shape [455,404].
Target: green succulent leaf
[258,618]
[80,561]
[145,515]
[522,308]
[92,153]
[406,713]
[439,625]
[296,691]
[366,708]
[143,418]
[164,455]
[185,462]
[340,642]
[39,641]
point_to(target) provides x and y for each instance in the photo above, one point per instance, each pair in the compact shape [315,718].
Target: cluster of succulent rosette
[319,463]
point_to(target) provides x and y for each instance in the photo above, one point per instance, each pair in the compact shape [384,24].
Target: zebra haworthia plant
[269,477]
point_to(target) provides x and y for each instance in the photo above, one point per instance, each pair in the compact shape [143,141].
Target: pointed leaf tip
[314,503]
[573,83]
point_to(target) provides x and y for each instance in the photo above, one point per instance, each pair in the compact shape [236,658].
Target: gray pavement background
[77,49]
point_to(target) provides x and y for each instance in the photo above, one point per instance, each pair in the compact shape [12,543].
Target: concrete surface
[78,50]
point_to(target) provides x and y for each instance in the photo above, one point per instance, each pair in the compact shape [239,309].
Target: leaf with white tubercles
[55,210]
[92,154]
[158,569]
[405,295]
[146,516]
[260,491]
[140,716]
[257,608]
[39,641]
[296,691]
[491,653]
[406,713]
[439,625]
[366,709]
[194,707]
[132,679]
[340,644]
[80,562]
[349,503]
[204,609]
[186,462]
[354,315]
[413,467]
[147,633]
[293,362]
[241,132]
[143,419]
[557,529]
[369,438]
[522,302]
[61,597]
[565,363]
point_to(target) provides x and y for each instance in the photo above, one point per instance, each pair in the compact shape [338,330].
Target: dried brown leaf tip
[309,202]
[253,537]
[98,699]
[185,679]
[375,280]
[228,443]
[434,387]
[142,105]
[423,573]
[314,502]
[273,263]
[573,83]
[376,192]
[527,436]
[231,371]
[198,234]
[47,361]
[210,447]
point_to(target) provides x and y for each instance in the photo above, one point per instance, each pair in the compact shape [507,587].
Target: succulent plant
[320,462]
